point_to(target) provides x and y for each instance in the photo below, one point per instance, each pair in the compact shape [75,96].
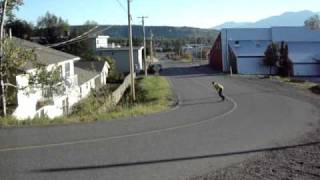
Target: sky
[194,13]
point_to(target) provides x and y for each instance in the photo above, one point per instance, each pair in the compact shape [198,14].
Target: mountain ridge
[285,19]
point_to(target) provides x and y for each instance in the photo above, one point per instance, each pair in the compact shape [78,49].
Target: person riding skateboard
[219,88]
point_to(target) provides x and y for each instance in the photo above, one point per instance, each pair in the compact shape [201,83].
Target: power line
[122,6]
[80,38]
[73,39]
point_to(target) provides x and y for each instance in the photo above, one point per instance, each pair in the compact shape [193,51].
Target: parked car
[154,68]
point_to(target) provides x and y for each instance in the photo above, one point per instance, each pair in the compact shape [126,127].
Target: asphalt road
[199,135]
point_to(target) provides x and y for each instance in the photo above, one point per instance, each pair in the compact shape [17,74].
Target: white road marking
[235,106]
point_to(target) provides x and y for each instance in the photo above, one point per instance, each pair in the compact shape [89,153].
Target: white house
[242,49]
[36,101]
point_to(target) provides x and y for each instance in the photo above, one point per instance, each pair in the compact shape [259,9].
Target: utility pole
[133,93]
[151,46]
[144,45]
[4,101]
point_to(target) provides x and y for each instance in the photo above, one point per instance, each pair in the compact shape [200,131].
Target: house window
[67,69]
[65,106]
[60,70]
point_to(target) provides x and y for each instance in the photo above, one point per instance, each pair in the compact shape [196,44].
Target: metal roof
[45,55]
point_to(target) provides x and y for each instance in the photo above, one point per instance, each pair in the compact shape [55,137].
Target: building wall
[239,34]
[295,34]
[253,66]
[306,69]
[87,87]
[102,42]
[216,54]
[122,59]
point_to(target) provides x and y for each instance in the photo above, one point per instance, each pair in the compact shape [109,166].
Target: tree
[6,9]
[52,28]
[285,65]
[313,22]
[14,57]
[20,28]
[271,56]
[81,48]
[11,5]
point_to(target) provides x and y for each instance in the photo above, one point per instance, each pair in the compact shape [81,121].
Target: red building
[215,56]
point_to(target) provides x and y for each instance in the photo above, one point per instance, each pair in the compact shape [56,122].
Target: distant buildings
[119,54]
[196,50]
[242,50]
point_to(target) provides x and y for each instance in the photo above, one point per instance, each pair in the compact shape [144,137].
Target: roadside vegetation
[300,83]
[153,95]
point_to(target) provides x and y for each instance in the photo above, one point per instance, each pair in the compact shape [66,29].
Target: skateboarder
[219,89]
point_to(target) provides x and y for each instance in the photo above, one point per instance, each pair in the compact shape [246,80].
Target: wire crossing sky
[195,13]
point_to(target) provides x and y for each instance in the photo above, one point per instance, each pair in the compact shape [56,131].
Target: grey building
[242,49]
[121,56]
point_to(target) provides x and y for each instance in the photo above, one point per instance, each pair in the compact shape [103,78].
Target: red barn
[215,56]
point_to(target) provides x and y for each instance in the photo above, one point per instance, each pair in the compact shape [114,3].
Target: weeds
[153,95]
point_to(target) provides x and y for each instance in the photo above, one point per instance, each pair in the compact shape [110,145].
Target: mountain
[231,24]
[285,19]
[159,32]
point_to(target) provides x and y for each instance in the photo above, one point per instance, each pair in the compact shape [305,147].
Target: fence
[116,95]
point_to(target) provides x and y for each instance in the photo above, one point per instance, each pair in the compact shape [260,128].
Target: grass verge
[153,95]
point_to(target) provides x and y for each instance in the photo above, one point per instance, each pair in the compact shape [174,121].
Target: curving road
[200,134]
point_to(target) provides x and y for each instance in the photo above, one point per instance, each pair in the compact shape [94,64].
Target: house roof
[96,66]
[45,55]
[84,75]
[249,48]
[304,52]
[86,70]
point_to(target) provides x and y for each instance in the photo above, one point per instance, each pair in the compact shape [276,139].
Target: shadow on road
[128,164]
